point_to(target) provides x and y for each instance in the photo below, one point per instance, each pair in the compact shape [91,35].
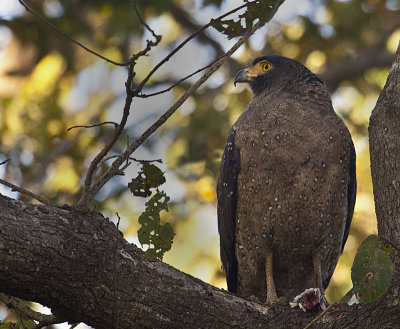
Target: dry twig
[65,35]
[180,81]
[28,313]
[86,198]
[21,190]
[95,125]
[180,46]
[5,161]
[115,167]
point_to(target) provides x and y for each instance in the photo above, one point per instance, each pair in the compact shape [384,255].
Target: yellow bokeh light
[175,151]
[316,61]
[377,76]
[54,127]
[291,50]
[46,73]
[393,42]
[205,189]
[65,177]
[294,32]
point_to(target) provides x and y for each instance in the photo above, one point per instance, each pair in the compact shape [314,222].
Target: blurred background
[48,84]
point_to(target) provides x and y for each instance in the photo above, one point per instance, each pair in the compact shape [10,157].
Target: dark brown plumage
[287,184]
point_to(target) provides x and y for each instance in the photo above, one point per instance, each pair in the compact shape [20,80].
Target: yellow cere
[259,68]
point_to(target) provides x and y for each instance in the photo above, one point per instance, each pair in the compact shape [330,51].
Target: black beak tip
[241,76]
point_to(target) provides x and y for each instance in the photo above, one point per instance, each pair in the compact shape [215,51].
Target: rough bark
[384,134]
[65,260]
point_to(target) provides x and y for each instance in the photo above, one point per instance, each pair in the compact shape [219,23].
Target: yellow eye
[266,66]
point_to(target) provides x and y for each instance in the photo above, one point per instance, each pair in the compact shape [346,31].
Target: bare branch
[21,190]
[180,46]
[134,159]
[44,20]
[5,161]
[180,81]
[88,190]
[94,125]
[115,167]
[143,22]
[85,197]
[27,312]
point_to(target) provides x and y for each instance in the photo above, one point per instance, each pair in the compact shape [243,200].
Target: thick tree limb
[64,259]
[384,132]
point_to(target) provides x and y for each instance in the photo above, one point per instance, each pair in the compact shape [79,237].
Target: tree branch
[180,80]
[115,167]
[28,313]
[139,88]
[21,190]
[95,125]
[64,259]
[86,196]
[65,35]
[89,191]
[384,132]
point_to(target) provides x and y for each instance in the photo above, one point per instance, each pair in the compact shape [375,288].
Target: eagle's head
[273,73]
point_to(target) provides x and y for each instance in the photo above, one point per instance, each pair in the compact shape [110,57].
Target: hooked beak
[241,76]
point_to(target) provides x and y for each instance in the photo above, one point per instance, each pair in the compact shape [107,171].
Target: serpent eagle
[287,184]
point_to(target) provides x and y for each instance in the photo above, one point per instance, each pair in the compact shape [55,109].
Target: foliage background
[47,85]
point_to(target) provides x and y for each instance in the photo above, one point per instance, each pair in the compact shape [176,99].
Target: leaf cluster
[158,237]
[29,324]
[255,10]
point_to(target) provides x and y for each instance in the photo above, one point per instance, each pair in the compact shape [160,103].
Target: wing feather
[227,201]
[351,200]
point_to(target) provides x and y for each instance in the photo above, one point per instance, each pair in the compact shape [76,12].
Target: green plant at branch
[372,269]
[255,10]
[158,237]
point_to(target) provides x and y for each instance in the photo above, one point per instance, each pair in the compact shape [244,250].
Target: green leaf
[151,254]
[150,176]
[372,269]
[154,175]
[29,324]
[261,10]
[158,237]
